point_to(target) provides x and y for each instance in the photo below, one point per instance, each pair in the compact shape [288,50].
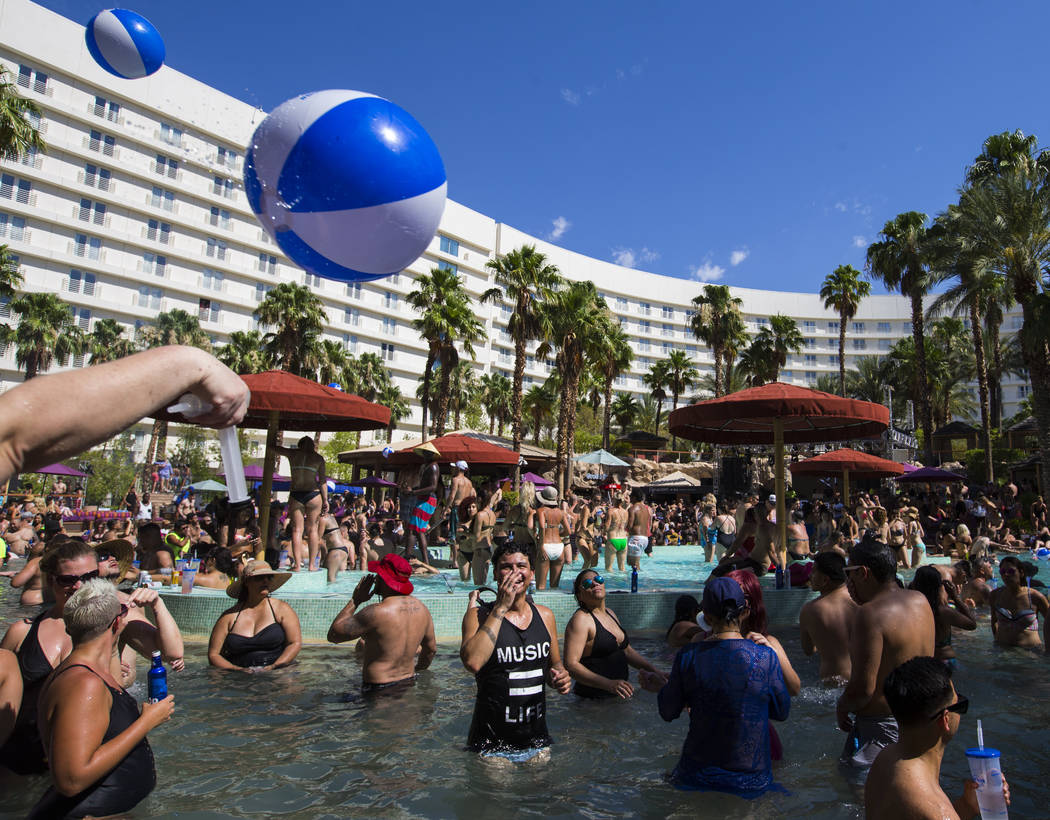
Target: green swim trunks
[618,544]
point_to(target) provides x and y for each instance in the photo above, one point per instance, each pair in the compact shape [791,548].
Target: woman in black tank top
[598,653]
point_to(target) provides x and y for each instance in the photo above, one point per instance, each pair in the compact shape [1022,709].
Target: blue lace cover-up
[732,688]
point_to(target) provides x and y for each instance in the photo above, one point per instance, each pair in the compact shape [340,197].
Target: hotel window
[386,352]
[643,345]
[667,348]
[222,186]
[103,143]
[809,325]
[643,326]
[885,344]
[1023,390]
[28,78]
[171,135]
[504,356]
[267,263]
[351,316]
[220,217]
[96,177]
[667,330]
[811,376]
[150,297]
[808,342]
[82,317]
[858,327]
[158,231]
[906,327]
[621,303]
[860,344]
[5,312]
[260,291]
[350,343]
[227,157]
[786,375]
[833,361]
[449,246]
[216,248]
[12,227]
[212,279]
[162,199]
[106,108]
[833,327]
[353,290]
[762,320]
[154,263]
[811,359]
[389,300]
[644,308]
[312,280]
[92,212]
[166,166]
[79,280]
[1016,322]
[644,362]
[390,326]
[884,327]
[87,246]
[16,189]
[208,311]
[668,312]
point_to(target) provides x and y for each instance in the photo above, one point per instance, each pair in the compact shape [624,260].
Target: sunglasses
[71,580]
[1007,571]
[123,612]
[960,707]
[588,583]
[104,556]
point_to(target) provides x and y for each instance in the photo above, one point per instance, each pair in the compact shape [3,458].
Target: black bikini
[120,790]
[23,753]
[607,659]
[261,649]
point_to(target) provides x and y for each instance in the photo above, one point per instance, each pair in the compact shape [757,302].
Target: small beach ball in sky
[124,43]
[349,185]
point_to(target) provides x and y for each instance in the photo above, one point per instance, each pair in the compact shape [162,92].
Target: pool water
[294,743]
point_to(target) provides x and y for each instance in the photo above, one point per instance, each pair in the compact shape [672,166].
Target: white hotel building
[137,207]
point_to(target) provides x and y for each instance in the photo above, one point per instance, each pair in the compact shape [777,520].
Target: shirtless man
[424,494]
[340,553]
[459,490]
[395,630]
[21,535]
[28,578]
[976,590]
[905,779]
[616,535]
[639,529]
[554,532]
[826,624]
[741,509]
[892,625]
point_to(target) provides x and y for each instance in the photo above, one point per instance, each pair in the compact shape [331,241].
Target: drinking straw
[980,735]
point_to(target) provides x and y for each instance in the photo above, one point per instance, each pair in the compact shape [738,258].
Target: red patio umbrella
[851,463]
[281,400]
[456,447]
[774,414]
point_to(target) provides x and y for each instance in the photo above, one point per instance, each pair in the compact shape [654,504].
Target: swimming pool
[289,744]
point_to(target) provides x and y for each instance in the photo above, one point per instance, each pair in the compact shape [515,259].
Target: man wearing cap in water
[459,490]
[827,623]
[425,494]
[393,630]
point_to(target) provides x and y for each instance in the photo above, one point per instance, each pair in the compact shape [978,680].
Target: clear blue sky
[756,144]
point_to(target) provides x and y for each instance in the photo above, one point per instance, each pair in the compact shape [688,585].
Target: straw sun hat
[256,569]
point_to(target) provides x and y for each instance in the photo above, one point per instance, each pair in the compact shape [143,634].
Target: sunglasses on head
[71,580]
[960,707]
[588,583]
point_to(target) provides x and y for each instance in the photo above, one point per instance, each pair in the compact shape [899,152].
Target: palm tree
[900,261]
[539,404]
[756,361]
[10,280]
[244,352]
[656,381]
[717,323]
[297,317]
[463,392]
[495,392]
[614,357]
[332,361]
[107,342]
[46,332]
[18,135]
[681,376]
[784,339]
[390,397]
[366,376]
[842,291]
[525,281]
[827,383]
[624,409]
[867,380]
[735,379]
[446,319]
[1006,153]
[573,322]
[173,327]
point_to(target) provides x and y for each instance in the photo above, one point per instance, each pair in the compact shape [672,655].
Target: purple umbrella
[930,475]
[60,469]
[371,481]
[538,480]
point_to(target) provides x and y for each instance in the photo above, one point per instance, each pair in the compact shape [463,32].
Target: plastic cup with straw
[986,770]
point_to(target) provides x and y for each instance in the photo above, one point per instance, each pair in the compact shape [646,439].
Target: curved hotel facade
[137,207]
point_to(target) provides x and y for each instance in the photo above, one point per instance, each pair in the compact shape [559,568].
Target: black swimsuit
[23,753]
[261,649]
[607,659]
[120,790]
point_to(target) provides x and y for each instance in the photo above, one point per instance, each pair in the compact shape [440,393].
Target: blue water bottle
[157,679]
[780,578]
[634,579]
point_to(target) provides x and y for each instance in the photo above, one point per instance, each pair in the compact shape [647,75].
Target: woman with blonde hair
[963,540]
[521,517]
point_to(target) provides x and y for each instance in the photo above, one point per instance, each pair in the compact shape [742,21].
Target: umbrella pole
[269,461]
[845,488]
[778,443]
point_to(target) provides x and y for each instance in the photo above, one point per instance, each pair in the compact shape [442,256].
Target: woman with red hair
[755,626]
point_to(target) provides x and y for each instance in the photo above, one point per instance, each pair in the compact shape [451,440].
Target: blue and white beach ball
[388,451]
[348,184]
[124,43]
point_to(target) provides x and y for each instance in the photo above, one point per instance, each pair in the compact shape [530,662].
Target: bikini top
[260,649]
[1029,615]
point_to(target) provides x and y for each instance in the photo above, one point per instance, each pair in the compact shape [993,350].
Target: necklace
[728,632]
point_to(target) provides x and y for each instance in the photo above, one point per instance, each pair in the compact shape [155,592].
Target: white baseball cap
[773,499]
[461,464]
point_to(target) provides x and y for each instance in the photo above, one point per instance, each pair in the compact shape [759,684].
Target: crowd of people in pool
[64,672]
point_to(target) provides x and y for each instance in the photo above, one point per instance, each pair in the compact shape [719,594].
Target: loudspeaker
[734,476]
